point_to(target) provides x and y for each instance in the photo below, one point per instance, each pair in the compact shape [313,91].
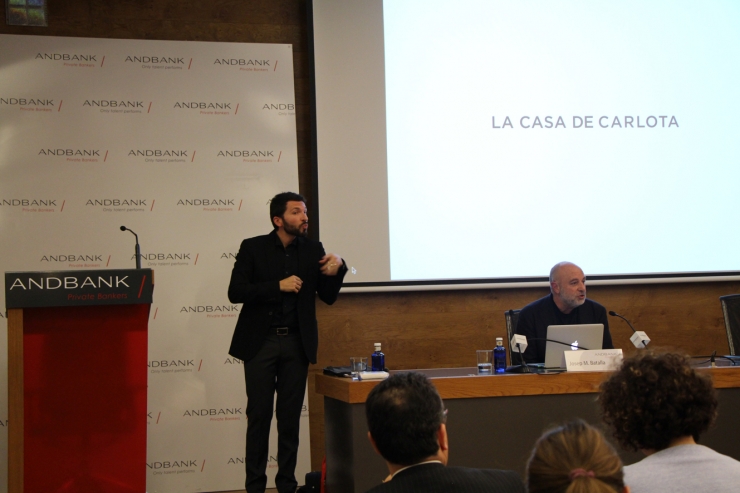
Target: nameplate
[593,360]
[78,288]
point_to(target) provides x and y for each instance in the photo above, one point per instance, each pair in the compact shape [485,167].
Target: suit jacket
[255,282]
[434,477]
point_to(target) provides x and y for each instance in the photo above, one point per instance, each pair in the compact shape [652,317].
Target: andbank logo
[156,60]
[28,202]
[118,106]
[203,105]
[33,204]
[45,102]
[77,261]
[67,57]
[180,365]
[227,413]
[75,155]
[279,107]
[212,312]
[115,204]
[248,64]
[176,466]
[210,309]
[213,204]
[206,202]
[114,103]
[251,155]
[167,259]
[162,155]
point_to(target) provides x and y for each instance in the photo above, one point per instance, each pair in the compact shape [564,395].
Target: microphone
[639,338]
[518,344]
[138,249]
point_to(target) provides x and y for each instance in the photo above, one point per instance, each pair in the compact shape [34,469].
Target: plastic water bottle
[378,359]
[499,356]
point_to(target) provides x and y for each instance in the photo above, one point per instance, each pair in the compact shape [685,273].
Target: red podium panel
[77,395]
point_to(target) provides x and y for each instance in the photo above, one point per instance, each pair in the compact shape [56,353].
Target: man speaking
[565,305]
[277,277]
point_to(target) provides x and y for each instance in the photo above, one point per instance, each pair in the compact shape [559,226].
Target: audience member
[406,419]
[659,404]
[574,458]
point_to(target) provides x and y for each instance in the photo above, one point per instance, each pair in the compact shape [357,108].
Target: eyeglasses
[444,415]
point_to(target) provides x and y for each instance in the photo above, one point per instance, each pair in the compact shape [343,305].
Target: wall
[417,329]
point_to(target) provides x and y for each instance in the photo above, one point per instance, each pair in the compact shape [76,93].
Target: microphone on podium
[639,338]
[138,249]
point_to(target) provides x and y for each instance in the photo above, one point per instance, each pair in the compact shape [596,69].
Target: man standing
[565,305]
[406,419]
[276,277]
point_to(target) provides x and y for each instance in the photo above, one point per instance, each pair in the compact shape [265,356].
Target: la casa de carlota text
[589,121]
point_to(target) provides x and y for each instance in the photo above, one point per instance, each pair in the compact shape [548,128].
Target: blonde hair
[574,458]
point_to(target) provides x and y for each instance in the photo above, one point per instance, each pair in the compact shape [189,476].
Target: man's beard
[295,230]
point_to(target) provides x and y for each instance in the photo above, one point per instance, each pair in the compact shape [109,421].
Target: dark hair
[279,204]
[655,398]
[404,413]
[574,458]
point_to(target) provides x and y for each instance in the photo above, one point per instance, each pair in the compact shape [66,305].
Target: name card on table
[593,360]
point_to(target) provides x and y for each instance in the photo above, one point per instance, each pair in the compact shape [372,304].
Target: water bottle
[499,356]
[378,359]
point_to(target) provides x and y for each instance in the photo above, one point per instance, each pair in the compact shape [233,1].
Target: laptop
[585,336]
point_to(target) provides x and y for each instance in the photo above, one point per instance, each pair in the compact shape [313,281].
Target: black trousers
[280,366]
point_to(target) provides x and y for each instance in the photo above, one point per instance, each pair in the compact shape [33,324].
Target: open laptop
[585,336]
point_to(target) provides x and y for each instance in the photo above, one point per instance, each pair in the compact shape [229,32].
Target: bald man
[565,305]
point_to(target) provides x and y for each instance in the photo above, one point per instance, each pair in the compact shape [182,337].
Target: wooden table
[493,420]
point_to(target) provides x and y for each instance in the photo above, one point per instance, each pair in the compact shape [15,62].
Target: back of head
[655,399]
[574,458]
[404,413]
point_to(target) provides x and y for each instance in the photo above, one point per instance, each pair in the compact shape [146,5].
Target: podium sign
[78,288]
[77,380]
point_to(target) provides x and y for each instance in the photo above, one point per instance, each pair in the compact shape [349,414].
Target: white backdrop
[184,143]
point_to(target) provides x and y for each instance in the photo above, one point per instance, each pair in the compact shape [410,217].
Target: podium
[77,380]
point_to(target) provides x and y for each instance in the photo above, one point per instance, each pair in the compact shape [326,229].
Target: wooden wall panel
[417,329]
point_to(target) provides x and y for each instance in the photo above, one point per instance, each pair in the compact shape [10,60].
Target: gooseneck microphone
[639,338]
[138,249]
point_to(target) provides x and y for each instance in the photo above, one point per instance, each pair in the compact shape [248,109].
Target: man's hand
[330,264]
[291,284]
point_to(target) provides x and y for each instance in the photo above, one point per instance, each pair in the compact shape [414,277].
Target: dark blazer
[435,478]
[255,282]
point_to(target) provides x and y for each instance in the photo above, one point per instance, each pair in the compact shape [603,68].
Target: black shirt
[286,258]
[538,315]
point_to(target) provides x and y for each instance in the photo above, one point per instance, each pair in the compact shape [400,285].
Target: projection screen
[478,142]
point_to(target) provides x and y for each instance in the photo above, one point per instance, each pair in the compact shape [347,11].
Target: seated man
[660,405]
[565,305]
[406,419]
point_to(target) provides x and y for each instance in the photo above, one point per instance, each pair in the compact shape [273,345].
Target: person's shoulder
[536,304]
[713,455]
[258,240]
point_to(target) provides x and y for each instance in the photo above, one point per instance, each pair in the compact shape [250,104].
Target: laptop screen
[571,338]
